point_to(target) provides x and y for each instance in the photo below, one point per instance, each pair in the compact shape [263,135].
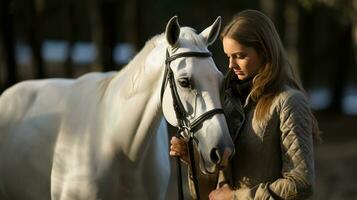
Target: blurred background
[67,38]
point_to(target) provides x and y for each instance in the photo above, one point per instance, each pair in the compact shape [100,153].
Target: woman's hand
[223,193]
[178,147]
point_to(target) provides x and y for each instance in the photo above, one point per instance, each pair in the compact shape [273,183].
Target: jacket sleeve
[297,155]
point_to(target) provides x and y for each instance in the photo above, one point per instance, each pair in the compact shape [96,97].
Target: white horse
[96,137]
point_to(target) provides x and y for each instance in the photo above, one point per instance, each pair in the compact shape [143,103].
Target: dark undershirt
[241,88]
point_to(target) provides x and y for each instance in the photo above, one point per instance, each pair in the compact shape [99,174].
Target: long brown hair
[254,29]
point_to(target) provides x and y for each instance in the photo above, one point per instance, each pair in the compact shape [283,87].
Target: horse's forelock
[189,36]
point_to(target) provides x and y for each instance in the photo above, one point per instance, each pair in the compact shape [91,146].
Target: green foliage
[306,4]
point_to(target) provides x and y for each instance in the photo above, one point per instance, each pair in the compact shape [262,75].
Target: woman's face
[244,61]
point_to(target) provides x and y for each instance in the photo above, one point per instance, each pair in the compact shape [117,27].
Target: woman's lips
[238,72]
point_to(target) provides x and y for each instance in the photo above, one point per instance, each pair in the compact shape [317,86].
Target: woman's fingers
[177,141]
[178,148]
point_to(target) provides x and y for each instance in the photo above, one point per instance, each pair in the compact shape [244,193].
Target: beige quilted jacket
[274,159]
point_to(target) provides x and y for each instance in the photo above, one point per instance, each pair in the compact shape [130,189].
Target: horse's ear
[211,33]
[172,31]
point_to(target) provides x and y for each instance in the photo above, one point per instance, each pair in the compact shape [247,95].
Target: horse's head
[191,84]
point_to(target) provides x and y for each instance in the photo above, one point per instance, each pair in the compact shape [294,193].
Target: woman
[268,116]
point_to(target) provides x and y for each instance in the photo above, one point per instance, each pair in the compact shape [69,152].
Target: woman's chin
[241,76]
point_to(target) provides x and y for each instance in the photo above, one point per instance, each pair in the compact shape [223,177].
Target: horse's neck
[133,112]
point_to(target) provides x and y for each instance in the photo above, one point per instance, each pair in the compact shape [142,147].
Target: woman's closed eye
[240,55]
[237,56]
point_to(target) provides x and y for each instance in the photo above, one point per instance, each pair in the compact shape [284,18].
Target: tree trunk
[35,37]
[305,46]
[279,18]
[71,37]
[8,41]
[344,60]
[104,22]
[130,24]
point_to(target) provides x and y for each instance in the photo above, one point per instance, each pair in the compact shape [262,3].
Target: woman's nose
[232,64]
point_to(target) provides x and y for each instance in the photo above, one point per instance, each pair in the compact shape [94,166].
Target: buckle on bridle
[185,132]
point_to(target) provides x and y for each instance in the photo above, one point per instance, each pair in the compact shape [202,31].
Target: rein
[186,128]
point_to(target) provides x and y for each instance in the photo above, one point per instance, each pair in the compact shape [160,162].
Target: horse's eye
[184,82]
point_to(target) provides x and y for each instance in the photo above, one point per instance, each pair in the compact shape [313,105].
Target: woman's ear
[211,33]
[172,31]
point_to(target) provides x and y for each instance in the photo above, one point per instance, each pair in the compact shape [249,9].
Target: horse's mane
[187,34]
[131,73]
[136,66]
[138,59]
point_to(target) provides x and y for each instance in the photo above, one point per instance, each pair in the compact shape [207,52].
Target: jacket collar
[239,88]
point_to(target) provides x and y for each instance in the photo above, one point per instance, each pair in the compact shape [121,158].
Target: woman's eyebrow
[239,53]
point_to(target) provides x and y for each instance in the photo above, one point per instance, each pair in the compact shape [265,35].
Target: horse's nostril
[215,156]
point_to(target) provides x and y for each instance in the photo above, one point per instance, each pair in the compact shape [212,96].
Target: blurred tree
[35,35]
[104,32]
[276,10]
[320,21]
[8,41]
[343,64]
[130,24]
[305,41]
[130,21]
[71,35]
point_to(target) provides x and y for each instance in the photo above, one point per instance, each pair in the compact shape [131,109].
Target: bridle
[186,128]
